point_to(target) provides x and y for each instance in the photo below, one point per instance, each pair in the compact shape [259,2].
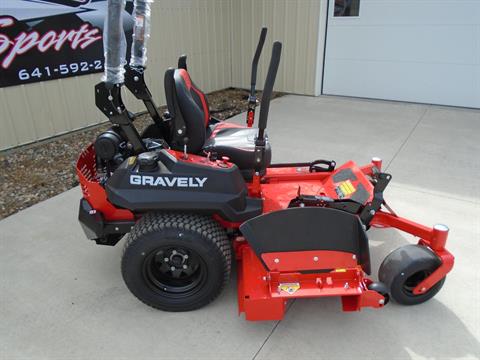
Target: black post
[265,105]
[267,90]
[252,99]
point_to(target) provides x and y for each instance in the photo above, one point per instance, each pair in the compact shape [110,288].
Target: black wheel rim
[174,271]
[412,282]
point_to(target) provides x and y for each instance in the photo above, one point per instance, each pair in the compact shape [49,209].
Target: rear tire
[175,261]
[404,268]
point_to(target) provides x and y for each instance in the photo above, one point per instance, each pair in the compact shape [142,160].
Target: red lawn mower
[194,194]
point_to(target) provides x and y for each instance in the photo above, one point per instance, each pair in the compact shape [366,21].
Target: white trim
[322,27]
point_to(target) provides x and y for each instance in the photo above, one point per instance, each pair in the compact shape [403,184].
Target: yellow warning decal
[290,288]
[347,187]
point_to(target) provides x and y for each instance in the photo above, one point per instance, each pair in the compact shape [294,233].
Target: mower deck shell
[263,294]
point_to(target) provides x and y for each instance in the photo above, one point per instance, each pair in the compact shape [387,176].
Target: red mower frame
[263,293]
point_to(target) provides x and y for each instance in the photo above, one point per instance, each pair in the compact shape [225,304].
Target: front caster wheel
[404,268]
[176,262]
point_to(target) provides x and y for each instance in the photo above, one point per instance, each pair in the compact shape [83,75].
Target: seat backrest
[185,100]
[182,77]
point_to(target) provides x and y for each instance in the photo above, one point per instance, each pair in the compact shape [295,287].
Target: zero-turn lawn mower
[195,194]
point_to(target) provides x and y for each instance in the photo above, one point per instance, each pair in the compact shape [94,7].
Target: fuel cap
[148,161]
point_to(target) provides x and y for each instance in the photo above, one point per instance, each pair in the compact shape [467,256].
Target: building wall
[409,50]
[296,24]
[200,28]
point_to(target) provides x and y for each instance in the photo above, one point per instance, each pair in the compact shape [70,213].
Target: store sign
[45,40]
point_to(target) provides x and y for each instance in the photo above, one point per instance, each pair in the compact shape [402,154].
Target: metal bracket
[135,82]
[369,211]
[108,99]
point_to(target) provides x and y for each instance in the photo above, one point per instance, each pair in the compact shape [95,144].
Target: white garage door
[410,50]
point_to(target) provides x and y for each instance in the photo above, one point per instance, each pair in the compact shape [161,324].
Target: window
[346,8]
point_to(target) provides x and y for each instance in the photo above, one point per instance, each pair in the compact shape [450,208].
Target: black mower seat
[186,101]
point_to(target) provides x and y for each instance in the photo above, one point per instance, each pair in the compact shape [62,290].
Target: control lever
[185,153]
[252,99]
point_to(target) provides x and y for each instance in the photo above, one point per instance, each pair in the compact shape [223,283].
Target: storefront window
[346,8]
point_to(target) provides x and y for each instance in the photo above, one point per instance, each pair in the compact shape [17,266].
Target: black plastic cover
[96,228]
[308,228]
[183,186]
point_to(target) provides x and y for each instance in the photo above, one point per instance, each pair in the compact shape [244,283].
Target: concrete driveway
[62,296]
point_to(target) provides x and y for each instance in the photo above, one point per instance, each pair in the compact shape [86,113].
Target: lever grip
[268,88]
[256,57]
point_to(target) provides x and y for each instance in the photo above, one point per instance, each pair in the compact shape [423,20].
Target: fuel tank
[159,181]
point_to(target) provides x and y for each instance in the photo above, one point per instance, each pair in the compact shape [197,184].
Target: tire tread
[202,225]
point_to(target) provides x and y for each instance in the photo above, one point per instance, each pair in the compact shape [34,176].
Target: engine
[112,148]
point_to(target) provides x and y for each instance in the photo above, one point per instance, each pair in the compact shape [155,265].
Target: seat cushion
[237,143]
[213,129]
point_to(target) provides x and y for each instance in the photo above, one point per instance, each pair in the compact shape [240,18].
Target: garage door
[409,50]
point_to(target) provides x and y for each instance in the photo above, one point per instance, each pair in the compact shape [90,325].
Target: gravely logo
[169,182]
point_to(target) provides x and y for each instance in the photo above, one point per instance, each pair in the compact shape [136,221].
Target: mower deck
[263,295]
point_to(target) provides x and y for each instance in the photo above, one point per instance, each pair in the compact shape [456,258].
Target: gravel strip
[36,172]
